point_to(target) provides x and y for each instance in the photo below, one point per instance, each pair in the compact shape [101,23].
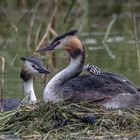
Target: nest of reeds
[61,121]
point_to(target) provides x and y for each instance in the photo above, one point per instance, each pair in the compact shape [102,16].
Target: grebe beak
[57,41]
[48,47]
[43,70]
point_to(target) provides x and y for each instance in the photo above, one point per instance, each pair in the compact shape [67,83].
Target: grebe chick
[68,85]
[92,69]
[31,67]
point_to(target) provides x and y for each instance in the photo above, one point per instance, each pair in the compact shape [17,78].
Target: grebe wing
[118,78]
[125,100]
[97,85]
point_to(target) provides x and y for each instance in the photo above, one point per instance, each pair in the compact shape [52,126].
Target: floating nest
[70,121]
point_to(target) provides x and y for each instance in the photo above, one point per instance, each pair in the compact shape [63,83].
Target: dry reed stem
[45,36]
[107,35]
[135,33]
[29,38]
[37,34]
[69,11]
[31,137]
[49,31]
[53,32]
[13,60]
[2,80]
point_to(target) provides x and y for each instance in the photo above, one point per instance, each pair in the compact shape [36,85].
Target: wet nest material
[70,121]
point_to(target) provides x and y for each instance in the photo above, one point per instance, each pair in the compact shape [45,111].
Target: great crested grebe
[31,67]
[68,85]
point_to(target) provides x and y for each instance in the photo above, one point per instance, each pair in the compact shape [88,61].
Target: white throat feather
[29,91]
[51,92]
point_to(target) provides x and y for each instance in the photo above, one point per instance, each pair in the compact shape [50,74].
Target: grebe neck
[29,91]
[51,92]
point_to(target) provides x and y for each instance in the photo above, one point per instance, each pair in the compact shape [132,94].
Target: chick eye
[33,66]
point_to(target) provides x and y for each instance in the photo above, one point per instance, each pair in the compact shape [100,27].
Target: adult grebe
[31,67]
[68,85]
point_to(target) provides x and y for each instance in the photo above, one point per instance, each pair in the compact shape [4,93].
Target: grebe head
[32,66]
[67,41]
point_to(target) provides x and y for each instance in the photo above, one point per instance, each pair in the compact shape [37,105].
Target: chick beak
[43,70]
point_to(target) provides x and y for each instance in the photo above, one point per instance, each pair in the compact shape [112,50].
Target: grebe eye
[58,42]
[33,66]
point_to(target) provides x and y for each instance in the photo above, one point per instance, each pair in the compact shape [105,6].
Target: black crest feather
[69,33]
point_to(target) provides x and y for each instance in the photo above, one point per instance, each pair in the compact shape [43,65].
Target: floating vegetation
[62,121]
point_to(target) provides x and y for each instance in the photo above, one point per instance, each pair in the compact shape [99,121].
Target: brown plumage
[25,75]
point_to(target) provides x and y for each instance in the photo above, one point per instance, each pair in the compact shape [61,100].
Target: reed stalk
[135,33]
[2,81]
[107,35]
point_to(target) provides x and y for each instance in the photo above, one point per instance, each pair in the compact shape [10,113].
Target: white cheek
[59,47]
[29,68]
